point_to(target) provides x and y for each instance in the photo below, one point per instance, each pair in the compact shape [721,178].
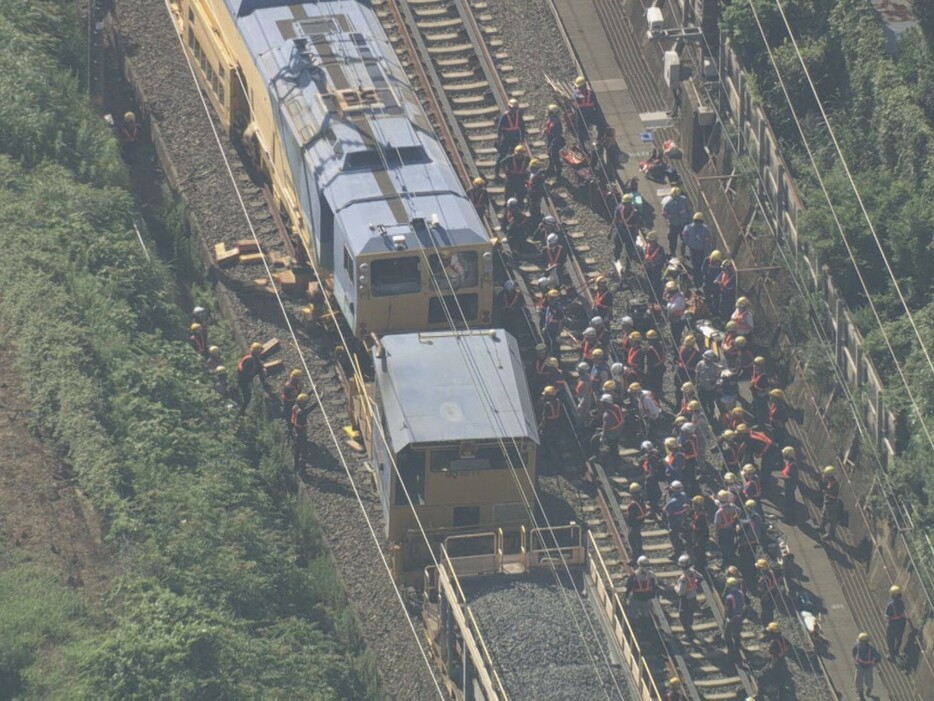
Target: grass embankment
[223,589]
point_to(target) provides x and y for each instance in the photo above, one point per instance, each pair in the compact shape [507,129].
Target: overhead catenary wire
[314,387]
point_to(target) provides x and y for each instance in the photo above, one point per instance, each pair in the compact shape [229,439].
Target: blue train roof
[464,386]
[365,139]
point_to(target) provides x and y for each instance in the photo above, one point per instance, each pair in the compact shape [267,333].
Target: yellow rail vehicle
[316,94]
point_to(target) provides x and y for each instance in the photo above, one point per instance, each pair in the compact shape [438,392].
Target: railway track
[453,49]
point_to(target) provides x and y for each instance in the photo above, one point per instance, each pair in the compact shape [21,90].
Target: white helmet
[684,560]
[647,445]
[552,239]
[597,321]
[643,561]
[688,427]
[583,367]
[512,202]
[676,486]
[550,219]
[606,398]
[617,369]
[510,285]
[543,281]
[197,311]
[590,332]
[709,355]
[626,321]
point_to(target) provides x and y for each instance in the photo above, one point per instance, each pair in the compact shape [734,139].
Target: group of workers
[617,390]
[294,404]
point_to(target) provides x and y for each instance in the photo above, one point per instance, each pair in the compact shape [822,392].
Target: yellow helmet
[863,637]
[732,581]
[737,412]
[635,488]
[635,387]
[788,451]
[540,347]
[215,351]
[256,347]
[671,286]
[689,340]
[549,391]
[598,353]
[829,471]
[195,327]
[220,370]
[750,504]
[748,469]
[553,109]
[681,420]
[627,197]
[601,279]
[553,293]
[895,590]
[732,571]
[295,374]
[635,336]
[730,325]
[762,563]
[675,191]
[651,334]
[723,495]
[777,394]
[671,442]
[715,256]
[129,117]
[728,435]
[740,341]
[694,405]
[773,627]
[609,386]
[742,302]
[579,81]
[513,102]
[519,149]
[674,682]
[698,216]
[651,236]
[535,163]
[687,387]
[729,478]
[552,362]
[759,360]
[479,182]
[698,500]
[301,398]
[742,428]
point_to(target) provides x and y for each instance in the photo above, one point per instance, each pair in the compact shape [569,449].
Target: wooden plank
[270,347]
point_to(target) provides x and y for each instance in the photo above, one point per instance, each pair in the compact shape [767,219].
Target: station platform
[634,105]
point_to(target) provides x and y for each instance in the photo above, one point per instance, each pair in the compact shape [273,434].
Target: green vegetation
[225,591]
[882,110]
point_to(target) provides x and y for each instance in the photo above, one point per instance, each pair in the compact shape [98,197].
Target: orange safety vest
[654,253]
[600,299]
[636,512]
[767,583]
[478,197]
[512,120]
[518,165]
[656,357]
[729,517]
[551,410]
[299,419]
[689,448]
[759,381]
[692,583]
[782,650]
[762,439]
[554,254]
[617,418]
[585,97]
[863,655]
[248,365]
[643,582]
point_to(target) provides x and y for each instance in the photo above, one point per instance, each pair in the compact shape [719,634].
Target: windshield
[395,276]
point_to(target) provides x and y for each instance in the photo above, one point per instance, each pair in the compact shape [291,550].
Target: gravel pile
[172,104]
[530,624]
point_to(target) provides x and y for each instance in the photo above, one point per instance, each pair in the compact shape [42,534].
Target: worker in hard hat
[553,132]
[549,418]
[687,588]
[636,512]
[699,529]
[510,306]
[515,223]
[734,613]
[726,285]
[710,271]
[613,419]
[751,535]
[213,358]
[510,132]
[698,239]
[554,257]
[791,476]
[742,315]
[675,690]
[832,506]
[603,299]
[725,522]
[516,166]
[676,511]
[656,362]
[221,385]
[555,316]
[768,591]
[865,657]
[895,621]
[627,223]
[706,378]
[778,647]
[291,388]
[653,468]
[129,133]
[535,186]
[479,196]
[299,428]
[588,111]
[759,386]
[249,368]
[198,338]
[677,210]
[641,590]
[676,308]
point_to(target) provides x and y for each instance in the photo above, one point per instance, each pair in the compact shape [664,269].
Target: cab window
[395,276]
[452,271]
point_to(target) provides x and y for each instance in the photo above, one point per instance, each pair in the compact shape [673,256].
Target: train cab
[453,432]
